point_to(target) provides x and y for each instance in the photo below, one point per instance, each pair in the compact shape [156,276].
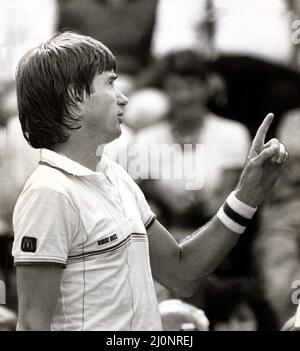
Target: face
[185,90]
[103,110]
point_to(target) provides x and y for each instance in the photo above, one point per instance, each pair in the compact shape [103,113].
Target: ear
[77,98]
[77,105]
[72,92]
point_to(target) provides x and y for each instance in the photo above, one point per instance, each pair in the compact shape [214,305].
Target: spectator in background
[277,247]
[224,144]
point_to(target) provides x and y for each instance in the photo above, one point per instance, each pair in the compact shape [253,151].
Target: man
[86,243]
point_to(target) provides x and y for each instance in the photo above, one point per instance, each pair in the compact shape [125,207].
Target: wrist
[235,214]
[248,196]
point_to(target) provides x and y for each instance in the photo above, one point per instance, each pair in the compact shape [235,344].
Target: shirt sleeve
[148,217]
[44,224]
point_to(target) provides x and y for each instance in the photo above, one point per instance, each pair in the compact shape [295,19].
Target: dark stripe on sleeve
[38,263]
[150,223]
[235,216]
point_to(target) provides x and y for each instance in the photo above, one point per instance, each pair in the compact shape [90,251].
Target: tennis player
[87,245]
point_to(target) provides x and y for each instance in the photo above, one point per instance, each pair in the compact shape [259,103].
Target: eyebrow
[112,76]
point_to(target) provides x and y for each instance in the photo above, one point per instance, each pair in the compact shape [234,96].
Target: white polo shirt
[94,224]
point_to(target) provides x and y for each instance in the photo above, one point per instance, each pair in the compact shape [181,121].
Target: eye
[112,82]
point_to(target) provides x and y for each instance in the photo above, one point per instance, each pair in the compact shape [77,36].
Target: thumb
[265,155]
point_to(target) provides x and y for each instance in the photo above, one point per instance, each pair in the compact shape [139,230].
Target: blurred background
[196,72]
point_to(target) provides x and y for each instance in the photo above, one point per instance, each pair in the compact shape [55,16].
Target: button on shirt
[94,224]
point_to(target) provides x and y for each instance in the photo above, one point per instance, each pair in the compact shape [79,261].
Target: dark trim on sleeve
[150,223]
[39,263]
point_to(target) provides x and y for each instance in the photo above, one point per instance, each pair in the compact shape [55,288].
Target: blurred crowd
[197,72]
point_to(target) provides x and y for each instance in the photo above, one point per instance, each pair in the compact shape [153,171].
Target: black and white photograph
[150,168]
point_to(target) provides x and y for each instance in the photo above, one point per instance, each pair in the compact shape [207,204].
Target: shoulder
[45,195]
[47,178]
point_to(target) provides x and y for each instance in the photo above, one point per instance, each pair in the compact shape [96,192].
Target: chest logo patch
[28,244]
[107,240]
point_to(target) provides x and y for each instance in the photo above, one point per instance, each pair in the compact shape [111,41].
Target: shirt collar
[66,165]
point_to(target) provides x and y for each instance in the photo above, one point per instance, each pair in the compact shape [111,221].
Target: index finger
[262,131]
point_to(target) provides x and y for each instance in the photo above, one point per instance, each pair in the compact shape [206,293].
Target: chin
[114,136]
[118,133]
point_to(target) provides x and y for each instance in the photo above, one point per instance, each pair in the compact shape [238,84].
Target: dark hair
[185,63]
[51,79]
[188,62]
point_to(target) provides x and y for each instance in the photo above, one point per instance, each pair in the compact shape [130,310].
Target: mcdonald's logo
[28,244]
[2,293]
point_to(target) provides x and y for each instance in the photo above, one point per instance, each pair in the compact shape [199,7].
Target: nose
[121,98]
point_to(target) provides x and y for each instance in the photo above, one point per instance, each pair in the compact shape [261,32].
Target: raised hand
[263,167]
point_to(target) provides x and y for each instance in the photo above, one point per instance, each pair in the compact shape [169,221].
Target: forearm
[208,246]
[37,306]
[181,267]
[33,322]
[205,249]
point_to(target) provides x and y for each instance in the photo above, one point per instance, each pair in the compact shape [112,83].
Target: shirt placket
[111,185]
[122,200]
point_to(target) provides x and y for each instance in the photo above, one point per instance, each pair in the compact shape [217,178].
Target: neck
[87,152]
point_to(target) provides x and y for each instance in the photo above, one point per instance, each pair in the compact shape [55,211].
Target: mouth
[120,117]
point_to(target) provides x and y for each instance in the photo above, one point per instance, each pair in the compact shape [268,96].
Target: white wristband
[235,214]
[240,207]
